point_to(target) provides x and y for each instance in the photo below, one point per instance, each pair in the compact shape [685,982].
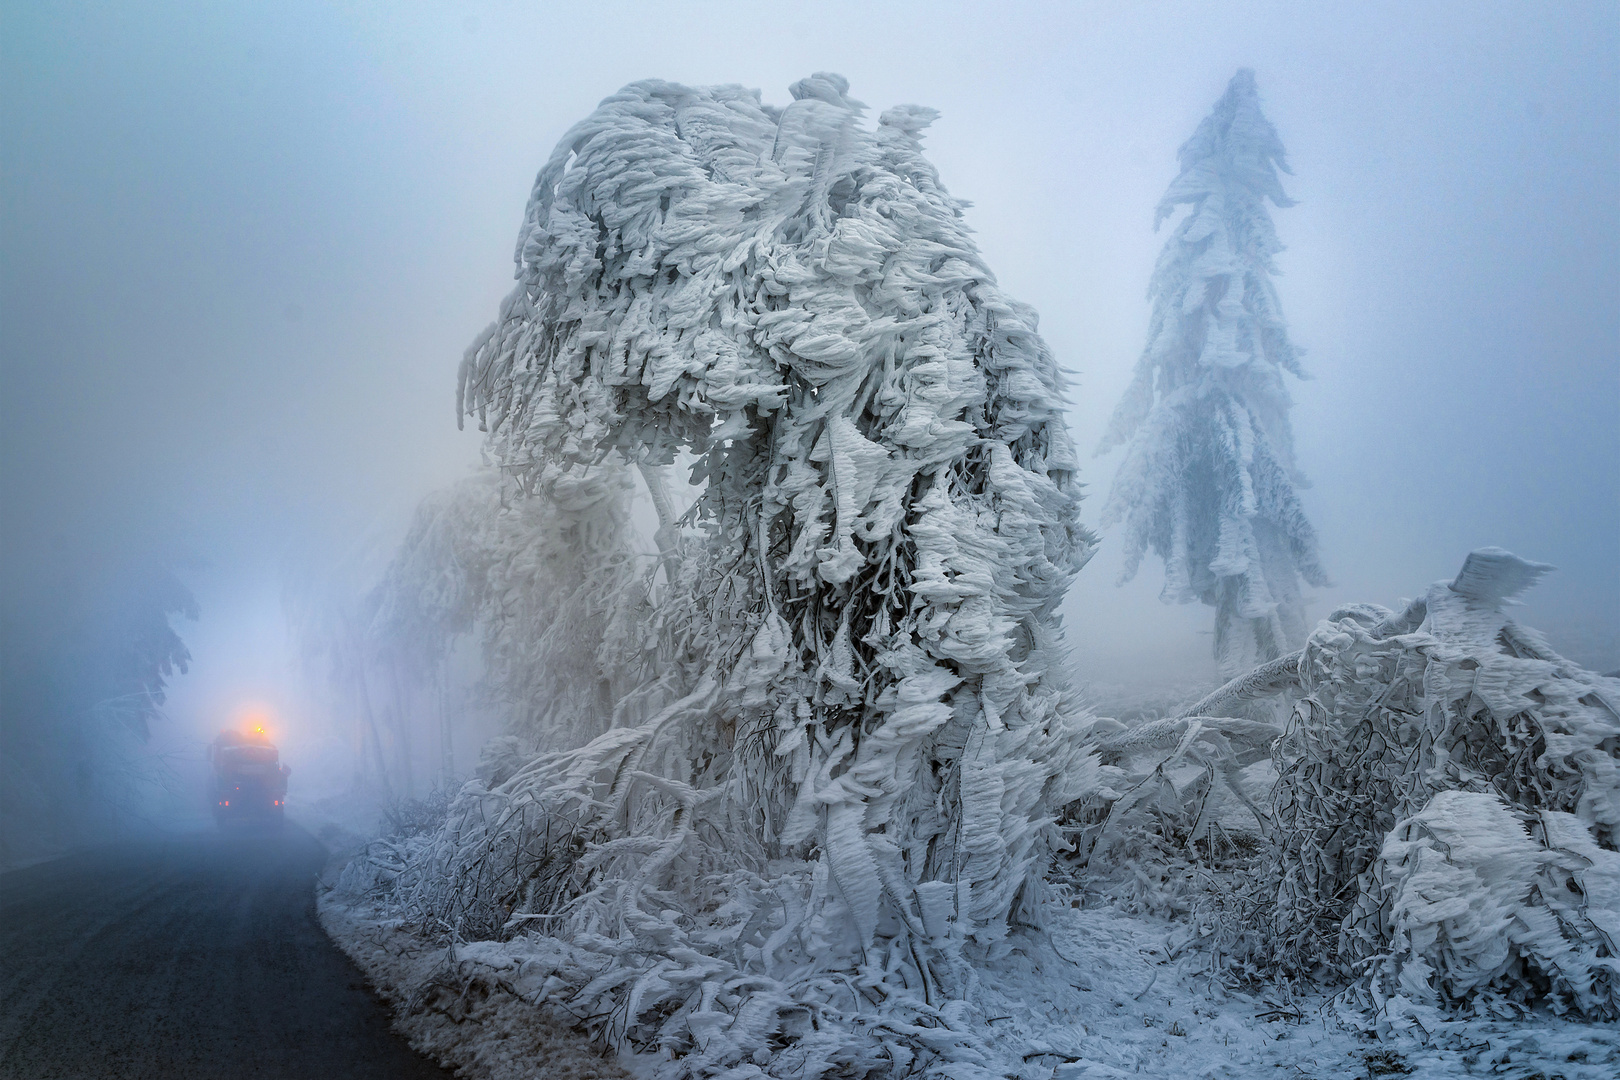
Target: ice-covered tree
[853,736]
[1208,482]
[1447,807]
[537,579]
[888,515]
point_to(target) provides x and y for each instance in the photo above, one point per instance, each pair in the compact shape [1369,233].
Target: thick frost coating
[854,638]
[1208,482]
[795,299]
[1448,805]
[1484,900]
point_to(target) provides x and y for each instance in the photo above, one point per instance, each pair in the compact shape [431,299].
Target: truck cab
[248,781]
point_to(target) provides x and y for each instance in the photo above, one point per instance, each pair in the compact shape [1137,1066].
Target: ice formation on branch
[1448,805]
[838,779]
[1485,899]
[1208,481]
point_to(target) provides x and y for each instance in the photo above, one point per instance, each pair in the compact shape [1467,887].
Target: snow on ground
[1095,996]
[1100,997]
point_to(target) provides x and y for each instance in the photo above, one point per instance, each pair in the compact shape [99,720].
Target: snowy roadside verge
[461,1007]
[1097,996]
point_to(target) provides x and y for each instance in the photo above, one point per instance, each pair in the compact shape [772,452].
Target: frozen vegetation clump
[828,782]
[1208,481]
[1444,822]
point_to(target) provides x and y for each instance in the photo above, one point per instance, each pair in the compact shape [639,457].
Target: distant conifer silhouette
[1208,482]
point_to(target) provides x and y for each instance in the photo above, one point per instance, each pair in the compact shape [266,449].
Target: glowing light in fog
[256,719]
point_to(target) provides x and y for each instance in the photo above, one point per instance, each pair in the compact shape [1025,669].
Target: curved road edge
[452,1008]
[185,952]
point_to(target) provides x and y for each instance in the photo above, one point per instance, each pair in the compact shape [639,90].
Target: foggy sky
[244,247]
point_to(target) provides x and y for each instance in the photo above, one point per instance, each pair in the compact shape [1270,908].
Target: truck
[248,782]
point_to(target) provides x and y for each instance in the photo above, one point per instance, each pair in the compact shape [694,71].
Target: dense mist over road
[245,249]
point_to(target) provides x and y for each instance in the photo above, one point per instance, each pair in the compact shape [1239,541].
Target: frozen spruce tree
[835,786]
[1208,481]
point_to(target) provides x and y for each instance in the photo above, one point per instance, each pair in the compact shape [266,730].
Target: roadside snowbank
[1098,996]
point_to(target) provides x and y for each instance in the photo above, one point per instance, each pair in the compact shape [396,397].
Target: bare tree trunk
[402,726]
[359,664]
[665,536]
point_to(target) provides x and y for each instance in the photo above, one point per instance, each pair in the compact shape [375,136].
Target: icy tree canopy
[550,586]
[850,737]
[1208,482]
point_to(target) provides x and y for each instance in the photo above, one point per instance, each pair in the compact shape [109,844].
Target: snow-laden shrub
[406,817]
[1482,899]
[1449,695]
[835,783]
[671,934]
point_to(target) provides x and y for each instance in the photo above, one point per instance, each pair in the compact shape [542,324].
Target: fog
[245,246]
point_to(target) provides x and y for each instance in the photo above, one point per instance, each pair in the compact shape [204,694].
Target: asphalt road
[196,956]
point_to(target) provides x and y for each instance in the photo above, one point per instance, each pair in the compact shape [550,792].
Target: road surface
[195,956]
